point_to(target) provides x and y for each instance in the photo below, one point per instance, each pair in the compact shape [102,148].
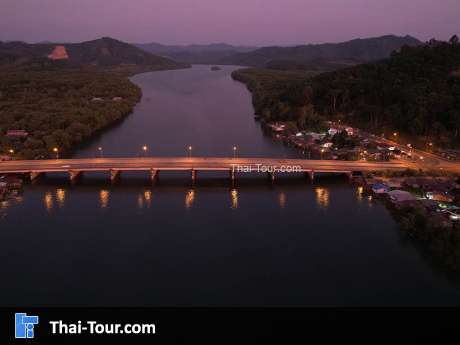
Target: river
[134,244]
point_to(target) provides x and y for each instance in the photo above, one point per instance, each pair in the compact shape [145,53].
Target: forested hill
[416,91]
[104,52]
[346,53]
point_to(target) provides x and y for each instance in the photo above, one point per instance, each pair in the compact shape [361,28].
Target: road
[423,159]
[194,163]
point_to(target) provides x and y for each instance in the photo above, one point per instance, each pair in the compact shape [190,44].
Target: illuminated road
[423,159]
[196,164]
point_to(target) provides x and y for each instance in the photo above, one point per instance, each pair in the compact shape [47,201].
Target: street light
[100,151]
[11,151]
[234,151]
[190,151]
[56,151]
[145,148]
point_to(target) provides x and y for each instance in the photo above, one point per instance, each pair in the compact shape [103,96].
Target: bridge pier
[350,176]
[271,177]
[74,175]
[194,176]
[114,175]
[154,175]
[34,175]
[311,175]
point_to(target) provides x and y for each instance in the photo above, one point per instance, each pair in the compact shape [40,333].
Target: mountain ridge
[102,52]
[357,50]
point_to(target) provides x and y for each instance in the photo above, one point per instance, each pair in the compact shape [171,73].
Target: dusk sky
[247,22]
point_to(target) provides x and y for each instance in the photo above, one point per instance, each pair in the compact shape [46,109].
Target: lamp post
[56,151]
[11,151]
[190,148]
[145,149]
[234,151]
[395,135]
[100,151]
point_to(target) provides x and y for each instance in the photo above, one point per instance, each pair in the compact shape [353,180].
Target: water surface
[212,244]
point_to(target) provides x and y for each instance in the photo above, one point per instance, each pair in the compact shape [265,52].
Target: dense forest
[62,93]
[269,88]
[59,108]
[416,91]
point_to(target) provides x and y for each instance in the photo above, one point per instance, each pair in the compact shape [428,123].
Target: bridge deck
[193,163]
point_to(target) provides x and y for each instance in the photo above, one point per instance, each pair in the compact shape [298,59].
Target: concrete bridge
[153,165]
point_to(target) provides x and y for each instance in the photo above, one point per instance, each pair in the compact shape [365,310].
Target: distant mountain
[104,52]
[334,54]
[195,53]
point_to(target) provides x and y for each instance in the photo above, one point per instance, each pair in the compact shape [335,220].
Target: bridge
[234,166]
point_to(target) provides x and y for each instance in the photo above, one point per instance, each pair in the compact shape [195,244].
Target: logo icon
[24,325]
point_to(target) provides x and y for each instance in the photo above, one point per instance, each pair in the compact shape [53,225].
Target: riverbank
[427,209]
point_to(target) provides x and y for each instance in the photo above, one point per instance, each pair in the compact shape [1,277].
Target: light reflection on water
[60,197]
[322,197]
[144,198]
[359,193]
[282,200]
[55,197]
[48,200]
[189,199]
[104,198]
[234,198]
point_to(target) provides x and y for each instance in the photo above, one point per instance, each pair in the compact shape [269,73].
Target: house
[332,131]
[380,188]
[439,196]
[350,131]
[12,182]
[399,196]
[394,183]
[455,216]
[276,127]
[17,133]
[315,136]
[374,154]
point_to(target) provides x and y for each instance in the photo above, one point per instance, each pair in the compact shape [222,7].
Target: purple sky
[248,22]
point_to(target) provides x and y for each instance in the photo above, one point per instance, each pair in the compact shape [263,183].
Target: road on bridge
[194,163]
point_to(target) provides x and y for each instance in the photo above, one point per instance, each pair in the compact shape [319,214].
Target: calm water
[173,245]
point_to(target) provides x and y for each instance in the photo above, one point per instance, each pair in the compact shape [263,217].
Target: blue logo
[24,325]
